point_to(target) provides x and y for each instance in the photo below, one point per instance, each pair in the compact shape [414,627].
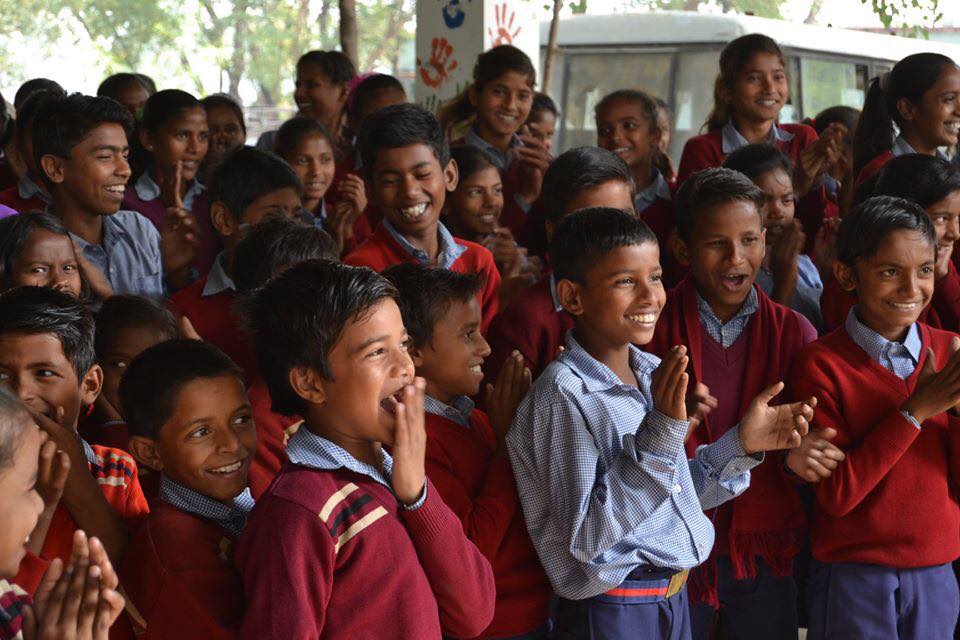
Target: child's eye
[656,277]
[751,240]
[376,353]
[888,272]
[926,270]
[604,131]
[199,433]
[524,96]
[624,282]
[422,176]
[45,373]
[38,270]
[243,420]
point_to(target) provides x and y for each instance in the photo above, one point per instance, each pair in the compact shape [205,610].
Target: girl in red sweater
[885,523]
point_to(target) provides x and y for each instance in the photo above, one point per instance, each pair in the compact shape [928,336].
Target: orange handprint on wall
[438,67]
[503,33]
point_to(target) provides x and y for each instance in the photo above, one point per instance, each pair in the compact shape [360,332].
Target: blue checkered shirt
[733,139]
[604,480]
[658,188]
[726,333]
[231,518]
[449,251]
[458,410]
[310,450]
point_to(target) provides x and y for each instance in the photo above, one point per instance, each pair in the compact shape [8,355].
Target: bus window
[693,95]
[828,83]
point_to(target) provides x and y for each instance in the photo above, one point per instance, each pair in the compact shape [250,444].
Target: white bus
[674,55]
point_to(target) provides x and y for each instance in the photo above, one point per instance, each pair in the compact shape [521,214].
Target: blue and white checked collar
[27,188]
[231,518]
[448,253]
[310,450]
[500,159]
[733,139]
[553,294]
[901,148]
[90,454]
[147,189]
[459,410]
[727,333]
[112,231]
[217,279]
[899,358]
[597,376]
[659,188]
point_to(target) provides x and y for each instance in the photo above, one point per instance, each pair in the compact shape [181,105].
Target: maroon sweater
[330,554]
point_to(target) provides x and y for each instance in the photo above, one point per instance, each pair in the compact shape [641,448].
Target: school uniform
[329,552]
[806,296]
[386,247]
[900,148]
[178,572]
[476,482]
[515,209]
[761,531]
[612,503]
[273,432]
[25,196]
[885,522]
[654,205]
[143,196]
[360,227]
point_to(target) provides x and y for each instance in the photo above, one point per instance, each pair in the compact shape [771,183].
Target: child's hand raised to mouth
[409,445]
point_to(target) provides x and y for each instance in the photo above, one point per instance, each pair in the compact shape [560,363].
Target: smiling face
[945,216]
[623,129]
[779,204]
[935,120]
[503,105]
[226,133]
[47,259]
[410,187]
[94,176]
[312,159]
[316,96]
[20,504]
[127,344]
[476,204]
[451,361]
[184,139]
[760,89]
[543,126]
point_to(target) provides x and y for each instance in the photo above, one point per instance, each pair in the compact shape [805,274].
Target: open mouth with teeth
[952,127]
[413,213]
[904,307]
[648,318]
[734,281]
[229,469]
[115,189]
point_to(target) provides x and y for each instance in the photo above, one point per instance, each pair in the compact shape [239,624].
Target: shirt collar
[147,189]
[217,279]
[230,517]
[733,139]
[500,159]
[750,306]
[658,188]
[90,454]
[875,344]
[597,376]
[27,188]
[459,410]
[307,449]
[448,249]
[901,148]
[112,231]
[553,294]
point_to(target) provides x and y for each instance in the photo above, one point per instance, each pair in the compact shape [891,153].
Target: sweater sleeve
[698,153]
[182,610]
[460,577]
[490,296]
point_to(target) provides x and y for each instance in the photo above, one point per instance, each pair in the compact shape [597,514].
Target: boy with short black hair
[29,194]
[80,144]
[723,318]
[408,167]
[885,522]
[466,448]
[615,508]
[331,346]
[189,420]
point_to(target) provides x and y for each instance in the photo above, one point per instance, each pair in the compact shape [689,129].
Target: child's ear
[52,166]
[451,175]
[307,383]
[907,109]
[846,276]
[146,140]
[222,220]
[91,385]
[416,354]
[144,451]
[568,293]
[681,250]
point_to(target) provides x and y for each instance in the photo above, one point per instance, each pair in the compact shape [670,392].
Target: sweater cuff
[431,517]
[419,503]
[898,430]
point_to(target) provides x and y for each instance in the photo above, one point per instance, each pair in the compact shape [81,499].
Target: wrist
[918,413]
[413,503]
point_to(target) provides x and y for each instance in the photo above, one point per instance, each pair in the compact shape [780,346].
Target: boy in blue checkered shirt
[612,504]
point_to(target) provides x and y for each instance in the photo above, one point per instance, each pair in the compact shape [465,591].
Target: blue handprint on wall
[453,15]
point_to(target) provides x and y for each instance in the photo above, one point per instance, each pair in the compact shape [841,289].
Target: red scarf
[768,518]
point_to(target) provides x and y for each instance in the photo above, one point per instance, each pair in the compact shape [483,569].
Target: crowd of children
[390,374]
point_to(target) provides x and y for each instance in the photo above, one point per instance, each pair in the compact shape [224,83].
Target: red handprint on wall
[438,67]
[503,33]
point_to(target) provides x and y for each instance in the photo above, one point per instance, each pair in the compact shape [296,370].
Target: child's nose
[483,347]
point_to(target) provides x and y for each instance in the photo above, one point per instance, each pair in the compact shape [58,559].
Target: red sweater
[382,251]
[273,431]
[890,502]
[477,485]
[179,578]
[873,167]
[330,554]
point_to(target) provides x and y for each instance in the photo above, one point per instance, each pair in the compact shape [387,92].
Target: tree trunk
[348,30]
[691,5]
[814,12]
[238,58]
[551,46]
[397,16]
[324,20]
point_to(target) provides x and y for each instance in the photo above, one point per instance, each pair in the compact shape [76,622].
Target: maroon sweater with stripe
[330,554]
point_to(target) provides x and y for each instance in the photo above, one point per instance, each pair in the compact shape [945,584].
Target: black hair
[127,312]
[909,79]
[366,90]
[297,319]
[585,236]
[754,160]
[114,85]
[577,170]
[63,123]
[400,125]
[847,116]
[542,103]
[227,102]
[708,188]
[646,102]
[164,106]
[34,310]
[470,160]
[31,87]
[147,82]
[923,179]
[15,231]
[154,379]
[733,59]
[274,245]
[6,123]
[334,64]
[14,423]
[426,294]
[294,130]
[247,174]
[31,106]
[863,230]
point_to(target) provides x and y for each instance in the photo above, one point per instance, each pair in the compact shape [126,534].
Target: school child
[466,448]
[499,100]
[921,96]
[331,346]
[749,93]
[787,275]
[534,324]
[80,143]
[407,163]
[200,436]
[840,180]
[724,319]
[228,129]
[247,187]
[26,457]
[175,135]
[885,521]
[665,123]
[47,359]
[30,192]
[613,505]
[128,89]
[308,148]
[36,250]
[542,120]
[367,95]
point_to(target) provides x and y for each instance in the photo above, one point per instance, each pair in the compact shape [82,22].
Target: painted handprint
[503,33]
[453,15]
[438,67]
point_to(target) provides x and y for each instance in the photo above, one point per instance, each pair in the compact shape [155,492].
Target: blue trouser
[873,602]
[762,608]
[612,617]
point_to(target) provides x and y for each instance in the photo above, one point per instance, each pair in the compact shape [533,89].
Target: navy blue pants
[872,602]
[607,617]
